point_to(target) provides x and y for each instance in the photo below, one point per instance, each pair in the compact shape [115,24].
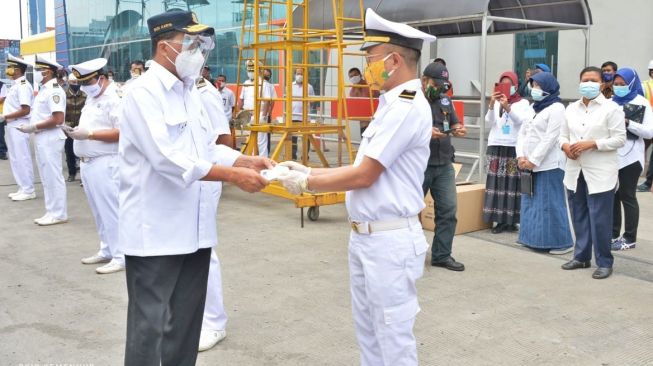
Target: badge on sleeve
[445,101]
[56,98]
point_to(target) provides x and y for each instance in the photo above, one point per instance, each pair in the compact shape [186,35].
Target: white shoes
[111,267]
[11,195]
[47,221]
[36,221]
[209,338]
[95,259]
[20,196]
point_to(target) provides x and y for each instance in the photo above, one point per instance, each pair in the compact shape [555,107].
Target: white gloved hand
[295,182]
[293,165]
[78,134]
[27,128]
[2,118]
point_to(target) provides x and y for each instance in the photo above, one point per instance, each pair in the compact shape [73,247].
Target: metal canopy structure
[456,18]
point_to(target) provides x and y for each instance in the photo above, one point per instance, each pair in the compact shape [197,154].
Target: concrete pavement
[286,292]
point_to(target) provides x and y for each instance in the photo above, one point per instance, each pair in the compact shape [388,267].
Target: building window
[536,48]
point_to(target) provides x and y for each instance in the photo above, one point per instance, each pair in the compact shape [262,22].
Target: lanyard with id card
[505,128]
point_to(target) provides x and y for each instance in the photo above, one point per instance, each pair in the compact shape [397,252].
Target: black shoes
[450,264]
[3,156]
[574,264]
[601,273]
[499,228]
[71,178]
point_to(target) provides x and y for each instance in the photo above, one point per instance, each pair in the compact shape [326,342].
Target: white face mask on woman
[188,63]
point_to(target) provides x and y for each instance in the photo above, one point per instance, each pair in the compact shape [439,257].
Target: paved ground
[286,292]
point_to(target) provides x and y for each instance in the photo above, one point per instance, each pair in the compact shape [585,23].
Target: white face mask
[188,64]
[299,78]
[355,79]
[92,90]
[135,75]
[250,75]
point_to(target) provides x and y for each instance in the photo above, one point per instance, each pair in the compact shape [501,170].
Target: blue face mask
[513,90]
[621,90]
[608,77]
[589,89]
[538,94]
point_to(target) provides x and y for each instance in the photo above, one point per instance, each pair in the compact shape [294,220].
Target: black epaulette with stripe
[55,85]
[23,82]
[200,83]
[408,94]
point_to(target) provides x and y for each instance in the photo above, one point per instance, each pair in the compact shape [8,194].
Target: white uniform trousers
[20,157]
[49,157]
[262,140]
[215,318]
[101,185]
[383,269]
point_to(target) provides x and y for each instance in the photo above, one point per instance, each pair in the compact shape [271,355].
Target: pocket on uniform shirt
[175,127]
[420,245]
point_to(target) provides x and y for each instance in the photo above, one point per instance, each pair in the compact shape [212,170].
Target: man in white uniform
[298,105]
[96,144]
[214,322]
[387,245]
[246,102]
[16,111]
[166,215]
[45,123]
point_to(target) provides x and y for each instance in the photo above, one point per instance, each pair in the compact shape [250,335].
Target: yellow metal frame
[288,41]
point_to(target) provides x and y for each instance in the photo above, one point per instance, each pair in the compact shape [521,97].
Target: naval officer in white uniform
[96,144]
[16,111]
[214,322]
[384,197]
[46,120]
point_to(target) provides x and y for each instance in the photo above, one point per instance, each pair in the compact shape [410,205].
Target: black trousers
[3,144]
[71,159]
[166,305]
[649,172]
[627,196]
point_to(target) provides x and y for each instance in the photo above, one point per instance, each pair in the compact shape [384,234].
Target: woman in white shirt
[593,131]
[502,189]
[628,93]
[544,223]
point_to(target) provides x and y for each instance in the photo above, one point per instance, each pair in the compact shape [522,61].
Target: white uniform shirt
[505,129]
[50,99]
[21,93]
[247,93]
[99,113]
[601,120]
[538,139]
[212,101]
[398,137]
[166,145]
[228,101]
[297,105]
[633,150]
[3,91]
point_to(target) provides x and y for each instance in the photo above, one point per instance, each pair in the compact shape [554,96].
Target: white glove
[2,118]
[295,182]
[78,134]
[27,128]
[292,165]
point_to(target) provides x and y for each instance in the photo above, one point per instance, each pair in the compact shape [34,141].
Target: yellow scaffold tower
[265,40]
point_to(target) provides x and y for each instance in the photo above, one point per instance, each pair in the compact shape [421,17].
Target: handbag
[634,113]
[526,182]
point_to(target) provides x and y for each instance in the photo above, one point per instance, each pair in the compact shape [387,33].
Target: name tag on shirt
[505,129]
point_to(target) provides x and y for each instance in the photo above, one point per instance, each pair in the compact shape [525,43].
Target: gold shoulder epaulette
[23,82]
[200,83]
[408,94]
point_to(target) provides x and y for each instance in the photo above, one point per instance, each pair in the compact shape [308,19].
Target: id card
[505,129]
[445,125]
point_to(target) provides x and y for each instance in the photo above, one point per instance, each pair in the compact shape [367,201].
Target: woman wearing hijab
[628,93]
[545,223]
[502,189]
[594,129]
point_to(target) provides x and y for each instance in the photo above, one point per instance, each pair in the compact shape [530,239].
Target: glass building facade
[117,30]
